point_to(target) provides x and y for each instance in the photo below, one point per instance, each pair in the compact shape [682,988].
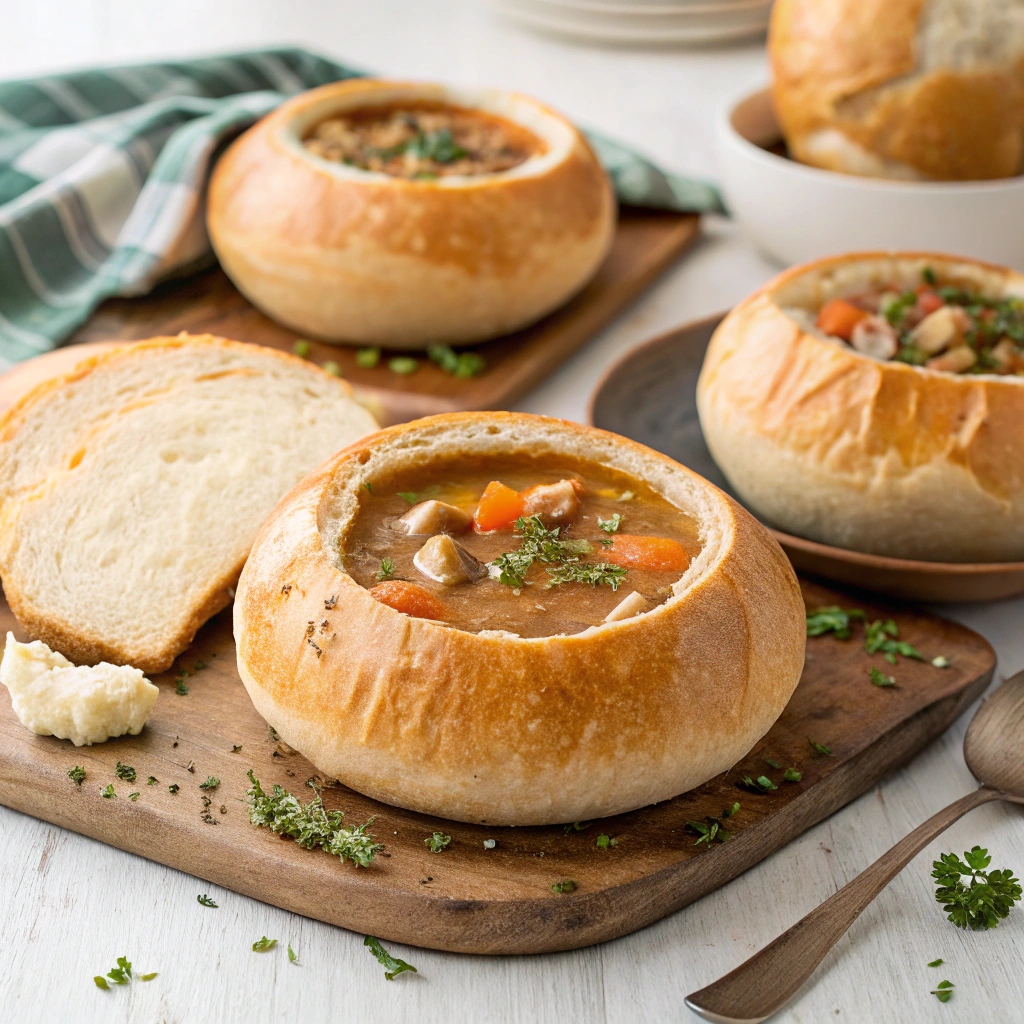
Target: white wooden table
[70,906]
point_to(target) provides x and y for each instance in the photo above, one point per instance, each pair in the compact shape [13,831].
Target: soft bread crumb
[86,705]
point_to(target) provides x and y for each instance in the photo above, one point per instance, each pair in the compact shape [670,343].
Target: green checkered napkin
[102,177]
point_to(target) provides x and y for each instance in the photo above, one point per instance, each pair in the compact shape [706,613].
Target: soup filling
[941,326]
[423,141]
[531,549]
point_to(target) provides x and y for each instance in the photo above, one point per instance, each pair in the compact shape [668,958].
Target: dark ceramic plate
[650,396]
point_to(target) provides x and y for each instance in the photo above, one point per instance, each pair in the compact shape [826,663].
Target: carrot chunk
[646,553]
[928,302]
[409,598]
[838,318]
[499,508]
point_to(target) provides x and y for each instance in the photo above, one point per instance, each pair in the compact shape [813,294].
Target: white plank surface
[69,906]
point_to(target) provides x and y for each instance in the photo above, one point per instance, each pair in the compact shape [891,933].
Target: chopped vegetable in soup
[942,327]
[535,548]
[423,141]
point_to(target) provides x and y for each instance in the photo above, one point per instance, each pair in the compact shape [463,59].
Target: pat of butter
[86,705]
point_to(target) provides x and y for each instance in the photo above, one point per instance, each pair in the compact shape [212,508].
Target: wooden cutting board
[468,898]
[646,243]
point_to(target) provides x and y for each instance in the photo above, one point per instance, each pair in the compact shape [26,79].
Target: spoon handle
[770,978]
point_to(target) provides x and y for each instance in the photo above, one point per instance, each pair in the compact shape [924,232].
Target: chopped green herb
[368,486]
[408,496]
[879,678]
[986,901]
[391,964]
[539,544]
[819,748]
[236,747]
[262,945]
[879,638]
[199,666]
[101,982]
[762,784]
[771,763]
[575,826]
[121,974]
[403,365]
[610,525]
[944,992]
[730,811]
[464,364]
[940,661]
[606,541]
[791,775]
[147,977]
[77,774]
[387,569]
[302,348]
[125,771]
[108,792]
[333,368]
[173,788]
[180,687]
[896,309]
[833,619]
[928,276]
[937,963]
[152,780]
[212,782]
[133,796]
[605,842]
[311,825]
[594,573]
[765,783]
[293,957]
[564,887]
[206,901]
[709,832]
[438,842]
[367,358]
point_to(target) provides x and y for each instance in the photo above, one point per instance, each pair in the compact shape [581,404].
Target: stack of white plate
[642,21]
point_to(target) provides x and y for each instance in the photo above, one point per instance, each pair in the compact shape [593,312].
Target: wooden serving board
[470,899]
[646,243]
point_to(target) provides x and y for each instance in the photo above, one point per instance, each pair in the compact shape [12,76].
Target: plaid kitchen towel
[102,177]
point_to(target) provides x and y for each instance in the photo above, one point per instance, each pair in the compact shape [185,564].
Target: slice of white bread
[132,487]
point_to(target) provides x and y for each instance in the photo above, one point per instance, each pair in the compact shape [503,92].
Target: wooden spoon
[994,751]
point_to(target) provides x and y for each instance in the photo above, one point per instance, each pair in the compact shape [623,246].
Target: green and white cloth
[103,175]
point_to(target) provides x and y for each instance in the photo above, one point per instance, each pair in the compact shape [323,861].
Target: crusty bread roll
[132,488]
[913,89]
[346,254]
[499,728]
[838,447]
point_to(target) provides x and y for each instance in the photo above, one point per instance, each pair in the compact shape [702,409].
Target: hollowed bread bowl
[347,254]
[502,729]
[838,447]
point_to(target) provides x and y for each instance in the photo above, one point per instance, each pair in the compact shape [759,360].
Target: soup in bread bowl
[876,402]
[404,215]
[504,618]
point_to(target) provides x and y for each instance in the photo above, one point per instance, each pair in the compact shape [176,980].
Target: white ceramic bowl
[794,213]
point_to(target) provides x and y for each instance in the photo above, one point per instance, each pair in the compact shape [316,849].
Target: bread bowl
[911,89]
[441,712]
[361,254]
[874,454]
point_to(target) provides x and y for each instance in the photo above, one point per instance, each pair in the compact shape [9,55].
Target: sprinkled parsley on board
[833,619]
[820,748]
[108,792]
[331,367]
[311,825]
[77,774]
[438,842]
[152,780]
[391,964]
[880,637]
[212,782]
[134,796]
[730,811]
[180,686]
[575,826]
[125,772]
[983,903]
[302,348]
[605,842]
[236,747]
[403,365]
[367,358]
[564,887]
[879,678]
[458,364]
[762,784]
[791,775]
[173,788]
[771,762]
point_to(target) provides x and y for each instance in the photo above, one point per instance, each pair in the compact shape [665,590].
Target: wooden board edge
[528,926]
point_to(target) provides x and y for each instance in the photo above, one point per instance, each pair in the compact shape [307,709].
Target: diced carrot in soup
[646,553]
[838,318]
[409,598]
[499,508]
[928,302]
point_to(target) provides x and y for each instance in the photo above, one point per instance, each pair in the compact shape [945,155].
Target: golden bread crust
[362,257]
[881,457]
[498,728]
[865,71]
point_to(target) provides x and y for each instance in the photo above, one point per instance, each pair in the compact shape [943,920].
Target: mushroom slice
[447,562]
[430,517]
[556,504]
[632,604]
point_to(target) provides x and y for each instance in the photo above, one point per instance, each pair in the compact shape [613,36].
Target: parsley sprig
[120,975]
[391,964]
[879,637]
[438,842]
[983,903]
[539,544]
[311,825]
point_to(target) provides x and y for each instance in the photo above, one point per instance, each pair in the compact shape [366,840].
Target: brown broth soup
[423,141]
[377,547]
